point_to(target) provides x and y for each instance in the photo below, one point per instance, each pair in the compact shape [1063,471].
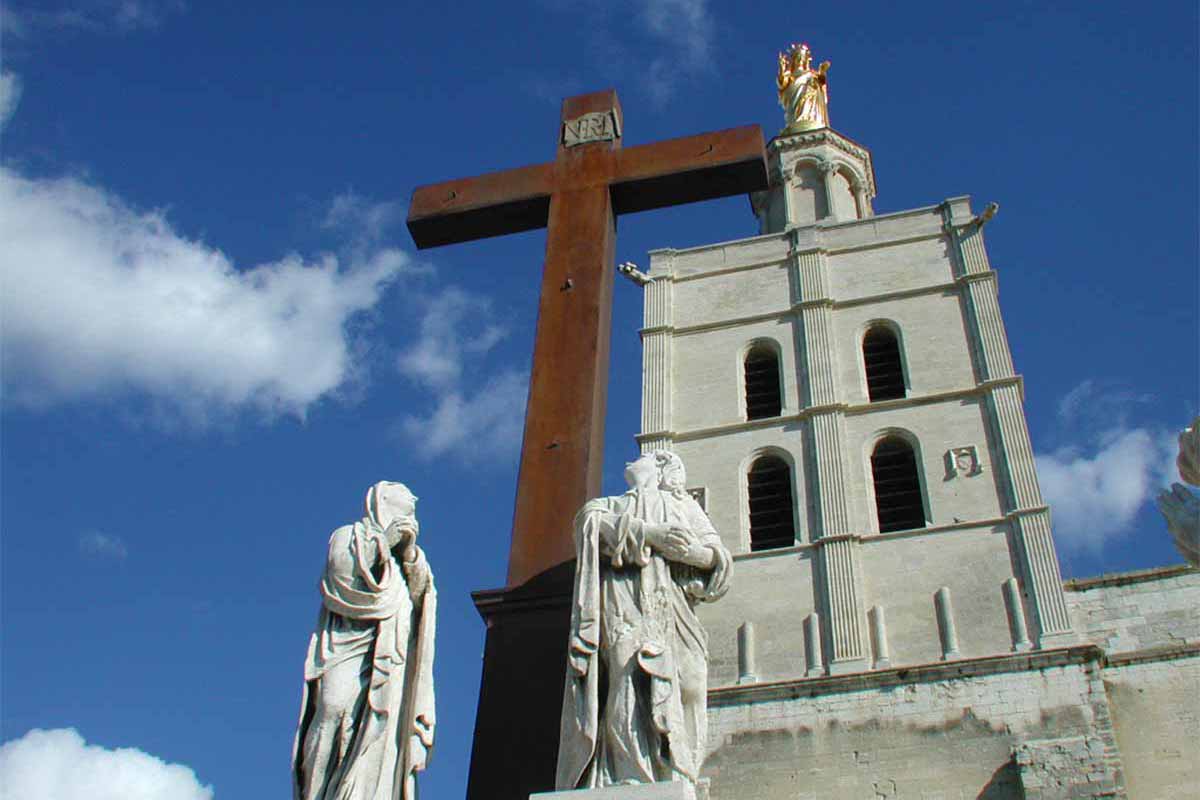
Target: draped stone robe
[633,627]
[366,633]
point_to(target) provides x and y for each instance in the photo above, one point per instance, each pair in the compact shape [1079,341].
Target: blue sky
[217,334]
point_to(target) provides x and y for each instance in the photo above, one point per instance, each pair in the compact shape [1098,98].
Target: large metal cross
[576,197]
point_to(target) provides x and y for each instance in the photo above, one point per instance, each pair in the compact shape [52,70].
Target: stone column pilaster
[841,584]
[978,284]
[826,443]
[777,169]
[993,358]
[657,333]
[821,392]
[1016,451]
[1029,515]
[810,292]
[1041,580]
[828,170]
[863,201]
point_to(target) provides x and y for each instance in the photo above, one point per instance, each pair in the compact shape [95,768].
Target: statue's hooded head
[672,477]
[388,502]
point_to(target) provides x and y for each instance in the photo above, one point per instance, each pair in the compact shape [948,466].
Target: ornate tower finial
[803,91]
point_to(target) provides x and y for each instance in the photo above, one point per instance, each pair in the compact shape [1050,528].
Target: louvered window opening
[897,487]
[762,384]
[771,516]
[885,374]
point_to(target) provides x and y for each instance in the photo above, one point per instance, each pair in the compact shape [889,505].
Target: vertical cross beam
[563,451]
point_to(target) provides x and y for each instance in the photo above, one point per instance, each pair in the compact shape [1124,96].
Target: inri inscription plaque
[598,126]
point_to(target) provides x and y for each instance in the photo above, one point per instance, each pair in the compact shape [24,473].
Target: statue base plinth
[645,791]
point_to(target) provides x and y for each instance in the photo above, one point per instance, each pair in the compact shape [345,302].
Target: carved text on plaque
[598,126]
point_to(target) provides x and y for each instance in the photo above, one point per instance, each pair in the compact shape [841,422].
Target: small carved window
[771,520]
[897,486]
[881,356]
[763,397]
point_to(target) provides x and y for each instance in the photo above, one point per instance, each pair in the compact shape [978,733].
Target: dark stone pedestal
[520,695]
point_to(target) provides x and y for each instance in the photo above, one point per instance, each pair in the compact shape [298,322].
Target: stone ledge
[1126,578]
[874,537]
[1170,652]
[979,391]
[552,589]
[673,790]
[897,676]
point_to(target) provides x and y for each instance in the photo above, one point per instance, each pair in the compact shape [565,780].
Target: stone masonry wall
[1148,623]
[920,734]
[1137,610]
[1156,717]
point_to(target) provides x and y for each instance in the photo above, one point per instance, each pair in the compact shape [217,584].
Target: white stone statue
[1179,504]
[367,717]
[645,559]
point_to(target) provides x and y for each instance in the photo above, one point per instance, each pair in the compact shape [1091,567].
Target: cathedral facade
[842,392]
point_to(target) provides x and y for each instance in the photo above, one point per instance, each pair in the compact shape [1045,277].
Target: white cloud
[656,43]
[683,30]
[10,95]
[1105,405]
[102,545]
[457,330]
[93,16]
[1095,492]
[100,299]
[363,220]
[484,426]
[60,765]
[436,360]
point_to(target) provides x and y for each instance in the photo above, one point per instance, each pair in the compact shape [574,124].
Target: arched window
[897,486]
[763,397]
[881,356]
[771,520]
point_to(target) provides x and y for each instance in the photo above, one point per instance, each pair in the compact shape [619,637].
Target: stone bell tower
[841,390]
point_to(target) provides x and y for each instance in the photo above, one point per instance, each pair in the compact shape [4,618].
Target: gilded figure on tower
[803,91]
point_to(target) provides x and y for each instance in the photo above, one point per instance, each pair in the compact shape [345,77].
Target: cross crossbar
[642,178]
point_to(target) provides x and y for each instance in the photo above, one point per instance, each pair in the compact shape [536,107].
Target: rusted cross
[576,197]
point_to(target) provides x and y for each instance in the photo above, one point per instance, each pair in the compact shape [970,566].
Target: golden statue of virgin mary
[803,91]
